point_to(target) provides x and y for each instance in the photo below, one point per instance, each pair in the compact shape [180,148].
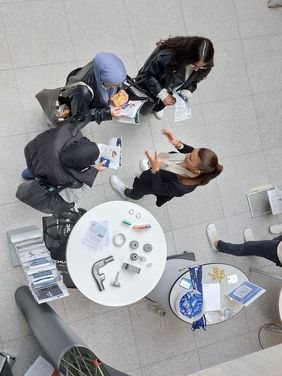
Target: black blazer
[164,184]
[155,75]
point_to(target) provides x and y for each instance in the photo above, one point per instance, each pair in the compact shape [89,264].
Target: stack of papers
[275,200]
[211,297]
[44,280]
[96,236]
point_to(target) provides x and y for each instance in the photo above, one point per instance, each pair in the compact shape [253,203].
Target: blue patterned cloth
[191,303]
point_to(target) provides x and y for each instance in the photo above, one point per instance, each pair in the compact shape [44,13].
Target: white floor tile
[37,33]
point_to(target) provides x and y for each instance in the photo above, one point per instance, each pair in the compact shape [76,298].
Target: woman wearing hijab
[176,65]
[172,174]
[58,158]
[103,77]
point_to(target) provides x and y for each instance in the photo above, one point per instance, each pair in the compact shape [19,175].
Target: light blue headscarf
[108,68]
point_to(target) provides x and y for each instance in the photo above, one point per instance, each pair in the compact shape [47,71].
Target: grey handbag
[42,198]
[48,100]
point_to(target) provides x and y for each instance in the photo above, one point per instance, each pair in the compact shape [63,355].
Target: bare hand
[170,136]
[115,112]
[100,166]
[155,162]
[169,100]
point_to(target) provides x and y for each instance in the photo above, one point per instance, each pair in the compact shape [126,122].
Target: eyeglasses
[197,67]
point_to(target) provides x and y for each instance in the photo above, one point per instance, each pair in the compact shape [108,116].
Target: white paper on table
[96,235]
[211,297]
[275,200]
[182,109]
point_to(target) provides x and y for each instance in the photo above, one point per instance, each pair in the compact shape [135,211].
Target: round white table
[133,286]
[213,317]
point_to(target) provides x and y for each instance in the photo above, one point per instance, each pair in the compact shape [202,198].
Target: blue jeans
[260,248]
[26,174]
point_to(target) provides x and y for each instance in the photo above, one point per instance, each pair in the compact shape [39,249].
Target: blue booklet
[245,293]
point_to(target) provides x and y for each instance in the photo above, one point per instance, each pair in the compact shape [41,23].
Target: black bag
[56,231]
[40,198]
[135,92]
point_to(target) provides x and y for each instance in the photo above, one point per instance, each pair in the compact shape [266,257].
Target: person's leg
[159,106]
[131,193]
[27,175]
[262,248]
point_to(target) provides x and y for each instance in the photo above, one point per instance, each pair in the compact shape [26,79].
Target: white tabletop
[133,286]
[280,305]
[213,317]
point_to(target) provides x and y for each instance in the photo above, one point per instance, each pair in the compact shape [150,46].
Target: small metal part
[147,247]
[131,268]
[131,211]
[134,256]
[134,244]
[100,277]
[149,264]
[142,258]
[138,215]
[116,283]
[119,239]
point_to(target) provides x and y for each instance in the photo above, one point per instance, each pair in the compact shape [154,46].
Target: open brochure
[111,153]
[130,112]
[182,109]
[245,293]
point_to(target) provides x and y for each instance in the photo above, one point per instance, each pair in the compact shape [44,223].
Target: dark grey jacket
[164,184]
[42,158]
[155,75]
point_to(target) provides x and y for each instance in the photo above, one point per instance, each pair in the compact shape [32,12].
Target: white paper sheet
[211,296]
[182,109]
[275,200]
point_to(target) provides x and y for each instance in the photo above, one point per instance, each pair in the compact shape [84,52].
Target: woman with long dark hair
[177,64]
[168,175]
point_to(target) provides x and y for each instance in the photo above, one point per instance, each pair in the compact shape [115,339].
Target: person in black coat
[172,174]
[176,65]
[58,158]
[103,77]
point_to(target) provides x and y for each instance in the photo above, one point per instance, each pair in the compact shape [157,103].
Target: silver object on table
[100,277]
[134,244]
[134,256]
[119,239]
[147,247]
[131,268]
[116,283]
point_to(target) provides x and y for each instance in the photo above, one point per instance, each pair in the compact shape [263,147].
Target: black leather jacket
[155,75]
[99,110]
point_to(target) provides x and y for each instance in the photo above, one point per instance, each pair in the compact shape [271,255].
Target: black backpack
[56,231]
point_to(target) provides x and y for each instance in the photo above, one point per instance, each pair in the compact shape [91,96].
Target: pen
[141,227]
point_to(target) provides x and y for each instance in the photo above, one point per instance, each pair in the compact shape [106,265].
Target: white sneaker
[275,229]
[248,235]
[159,115]
[118,185]
[144,165]
[212,235]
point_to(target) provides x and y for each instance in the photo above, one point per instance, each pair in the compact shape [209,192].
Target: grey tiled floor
[237,111]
